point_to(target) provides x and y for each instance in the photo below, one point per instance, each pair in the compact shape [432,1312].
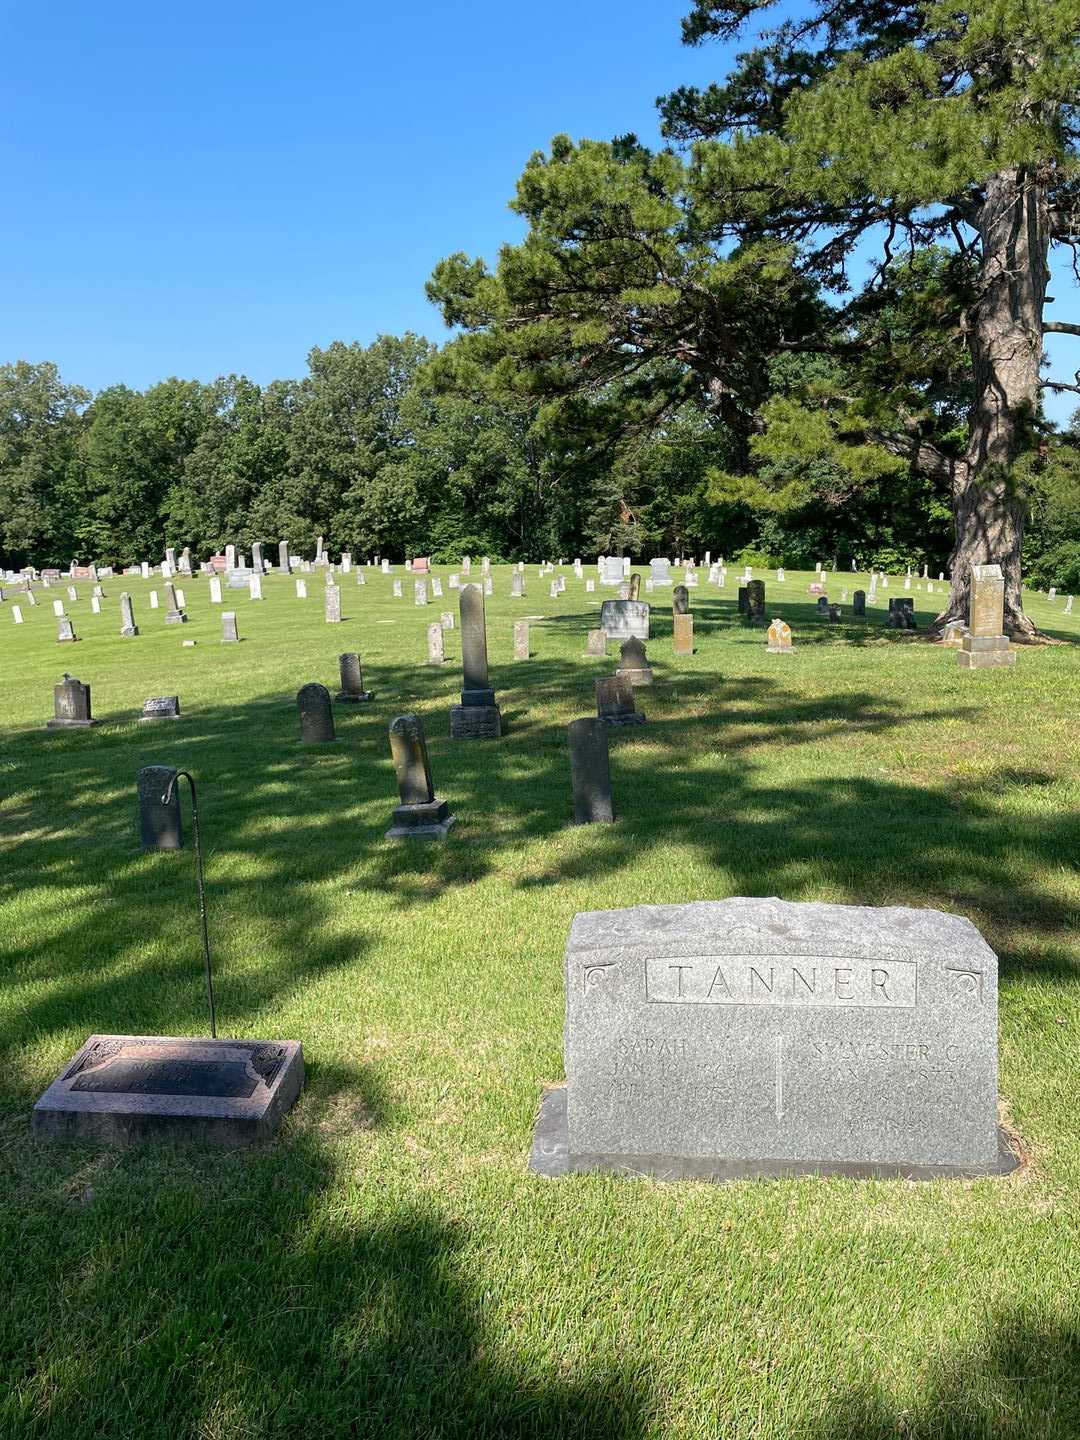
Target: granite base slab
[430,821]
[633,718]
[475,722]
[128,1089]
[360,698]
[551,1157]
[983,659]
[69,724]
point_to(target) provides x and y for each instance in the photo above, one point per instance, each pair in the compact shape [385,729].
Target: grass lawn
[388,1267]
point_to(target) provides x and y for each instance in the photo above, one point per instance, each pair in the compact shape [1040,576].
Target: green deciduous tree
[40,425]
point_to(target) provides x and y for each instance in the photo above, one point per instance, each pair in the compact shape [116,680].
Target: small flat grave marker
[126,1089]
[161,707]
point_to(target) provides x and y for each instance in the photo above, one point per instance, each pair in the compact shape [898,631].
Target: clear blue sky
[196,189]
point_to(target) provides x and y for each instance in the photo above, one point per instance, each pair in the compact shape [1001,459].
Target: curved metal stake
[165,800]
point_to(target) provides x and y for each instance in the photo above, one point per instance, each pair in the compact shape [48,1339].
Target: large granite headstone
[625,619]
[731,1038]
[126,1089]
[332,604]
[284,560]
[611,570]
[755,599]
[660,571]
[478,716]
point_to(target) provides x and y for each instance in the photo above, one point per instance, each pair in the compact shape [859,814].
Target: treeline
[375,451]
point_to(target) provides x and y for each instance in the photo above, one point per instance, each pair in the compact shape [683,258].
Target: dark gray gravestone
[477,717]
[127,616]
[161,707]
[858,604]
[126,1089]
[744,601]
[352,680]
[590,771]
[316,715]
[680,600]
[901,614]
[615,701]
[625,619]
[160,825]
[229,635]
[634,663]
[420,815]
[71,706]
[823,606]
[755,599]
[729,1038]
[834,614]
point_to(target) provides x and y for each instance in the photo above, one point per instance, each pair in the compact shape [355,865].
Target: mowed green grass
[388,1266]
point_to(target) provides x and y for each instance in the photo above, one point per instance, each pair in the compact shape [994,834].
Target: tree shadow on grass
[225,1296]
[1018,1382]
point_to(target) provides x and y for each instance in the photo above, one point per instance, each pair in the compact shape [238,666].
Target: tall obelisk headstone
[477,717]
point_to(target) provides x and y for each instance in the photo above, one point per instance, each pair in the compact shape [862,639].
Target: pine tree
[911,125]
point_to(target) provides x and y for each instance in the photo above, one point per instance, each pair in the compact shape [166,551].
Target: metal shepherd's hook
[165,800]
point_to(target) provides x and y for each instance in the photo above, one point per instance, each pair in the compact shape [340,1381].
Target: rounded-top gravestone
[316,715]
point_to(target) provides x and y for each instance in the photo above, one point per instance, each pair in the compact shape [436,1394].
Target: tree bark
[1005,330]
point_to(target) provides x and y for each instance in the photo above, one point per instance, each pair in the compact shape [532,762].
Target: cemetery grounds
[388,1266]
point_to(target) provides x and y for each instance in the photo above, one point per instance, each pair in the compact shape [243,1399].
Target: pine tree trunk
[1005,337]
